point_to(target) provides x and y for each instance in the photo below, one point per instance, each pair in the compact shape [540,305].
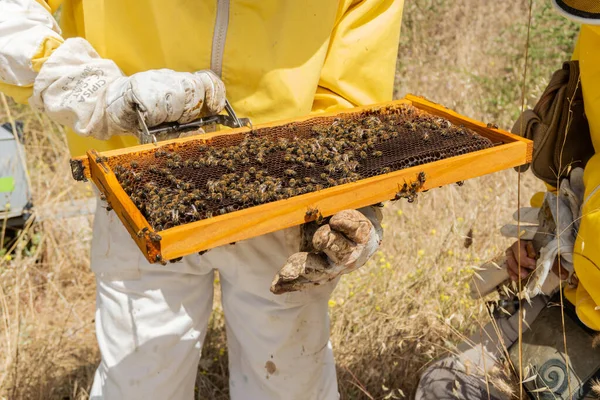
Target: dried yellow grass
[390,319]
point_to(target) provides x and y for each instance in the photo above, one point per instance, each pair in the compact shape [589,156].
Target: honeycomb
[180,183]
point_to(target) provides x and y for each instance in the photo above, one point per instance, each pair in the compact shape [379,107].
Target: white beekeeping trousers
[151,320]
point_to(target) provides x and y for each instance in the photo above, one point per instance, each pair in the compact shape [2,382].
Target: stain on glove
[341,246]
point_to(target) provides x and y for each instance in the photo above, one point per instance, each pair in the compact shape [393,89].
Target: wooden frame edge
[176,241]
[135,223]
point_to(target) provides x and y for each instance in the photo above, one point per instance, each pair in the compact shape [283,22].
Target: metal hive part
[180,183]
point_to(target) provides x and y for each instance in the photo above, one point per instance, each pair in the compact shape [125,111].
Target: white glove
[341,246]
[566,212]
[91,95]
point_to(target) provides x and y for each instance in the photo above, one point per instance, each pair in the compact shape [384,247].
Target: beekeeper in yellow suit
[462,375]
[175,61]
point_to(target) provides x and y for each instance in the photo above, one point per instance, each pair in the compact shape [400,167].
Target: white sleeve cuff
[24,25]
[71,88]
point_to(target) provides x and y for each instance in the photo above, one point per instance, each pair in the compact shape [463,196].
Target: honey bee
[289,172]
[411,126]
[229,165]
[142,232]
[172,179]
[218,197]
[444,123]
[212,161]
[154,237]
[212,185]
[311,213]
[330,168]
[373,122]
[320,219]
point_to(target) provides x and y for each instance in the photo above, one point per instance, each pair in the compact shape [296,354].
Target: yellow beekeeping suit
[279,58]
[586,297]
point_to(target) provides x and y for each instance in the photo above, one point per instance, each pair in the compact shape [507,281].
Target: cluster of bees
[206,179]
[409,191]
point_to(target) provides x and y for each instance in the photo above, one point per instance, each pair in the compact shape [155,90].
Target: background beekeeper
[462,375]
[278,59]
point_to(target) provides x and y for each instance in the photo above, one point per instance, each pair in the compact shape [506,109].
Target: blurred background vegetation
[390,319]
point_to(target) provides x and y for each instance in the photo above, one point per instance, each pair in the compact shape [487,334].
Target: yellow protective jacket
[278,58]
[586,258]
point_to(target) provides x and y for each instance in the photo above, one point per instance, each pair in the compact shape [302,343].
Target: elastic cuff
[46,48]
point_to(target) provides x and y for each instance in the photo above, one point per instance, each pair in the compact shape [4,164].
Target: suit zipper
[219,36]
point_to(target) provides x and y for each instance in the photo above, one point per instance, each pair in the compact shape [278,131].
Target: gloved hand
[523,252]
[91,95]
[565,210]
[341,246]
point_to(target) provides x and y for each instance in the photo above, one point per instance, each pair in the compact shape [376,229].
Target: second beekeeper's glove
[563,211]
[77,88]
[340,246]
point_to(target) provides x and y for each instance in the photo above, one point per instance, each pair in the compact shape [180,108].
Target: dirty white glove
[341,246]
[79,89]
[566,211]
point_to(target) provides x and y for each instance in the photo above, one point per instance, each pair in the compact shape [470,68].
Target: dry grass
[389,319]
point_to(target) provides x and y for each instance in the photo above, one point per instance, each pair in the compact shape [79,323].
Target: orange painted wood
[133,220]
[182,240]
[266,218]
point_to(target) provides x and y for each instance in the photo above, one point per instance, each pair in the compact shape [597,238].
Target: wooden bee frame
[509,151]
